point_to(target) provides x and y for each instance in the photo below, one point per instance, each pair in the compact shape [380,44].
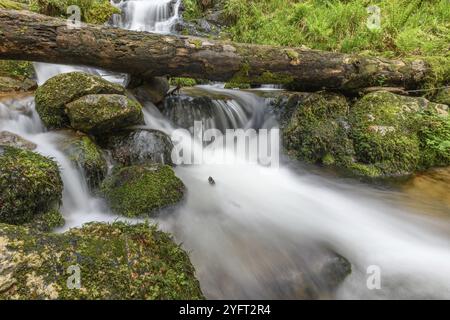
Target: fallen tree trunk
[29,36]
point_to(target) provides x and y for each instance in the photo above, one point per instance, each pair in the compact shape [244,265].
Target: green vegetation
[16,69]
[13,5]
[30,185]
[182,82]
[116,261]
[143,190]
[92,11]
[407,26]
[62,89]
[192,9]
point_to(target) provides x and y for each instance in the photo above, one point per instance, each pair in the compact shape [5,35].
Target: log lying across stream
[34,37]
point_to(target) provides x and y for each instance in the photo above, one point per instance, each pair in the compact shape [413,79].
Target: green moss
[183,82]
[84,153]
[364,170]
[92,11]
[100,113]
[62,89]
[443,96]
[399,135]
[12,5]
[16,69]
[47,221]
[142,190]
[317,131]
[30,184]
[116,261]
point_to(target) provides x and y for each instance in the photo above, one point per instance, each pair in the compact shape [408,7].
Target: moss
[116,261]
[16,69]
[84,153]
[30,184]
[399,135]
[92,11]
[317,130]
[100,113]
[443,96]
[365,170]
[183,82]
[62,89]
[12,5]
[47,221]
[142,190]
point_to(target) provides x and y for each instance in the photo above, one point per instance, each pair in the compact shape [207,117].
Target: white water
[257,230]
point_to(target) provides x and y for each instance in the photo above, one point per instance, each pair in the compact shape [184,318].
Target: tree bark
[33,37]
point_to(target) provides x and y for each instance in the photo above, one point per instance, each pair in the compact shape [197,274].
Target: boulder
[140,146]
[13,140]
[397,135]
[101,113]
[142,190]
[62,89]
[316,131]
[153,90]
[30,184]
[113,261]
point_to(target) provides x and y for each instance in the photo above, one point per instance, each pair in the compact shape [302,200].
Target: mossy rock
[115,261]
[30,184]
[317,130]
[443,96]
[16,76]
[47,221]
[85,154]
[397,135]
[140,146]
[9,139]
[101,113]
[62,89]
[143,190]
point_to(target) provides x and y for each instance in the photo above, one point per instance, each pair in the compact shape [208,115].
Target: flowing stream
[260,232]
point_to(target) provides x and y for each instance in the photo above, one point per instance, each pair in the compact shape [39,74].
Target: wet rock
[153,90]
[52,97]
[142,190]
[30,184]
[13,140]
[102,113]
[115,261]
[211,181]
[140,146]
[8,84]
[85,154]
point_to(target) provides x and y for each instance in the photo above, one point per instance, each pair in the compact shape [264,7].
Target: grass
[408,27]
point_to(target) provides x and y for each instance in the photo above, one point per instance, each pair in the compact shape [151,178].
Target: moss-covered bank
[116,261]
[382,134]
